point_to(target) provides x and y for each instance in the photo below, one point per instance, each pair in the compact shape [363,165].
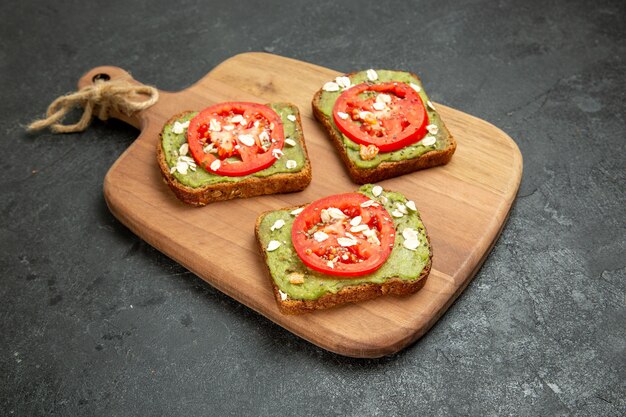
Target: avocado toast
[299,288]
[368,164]
[195,185]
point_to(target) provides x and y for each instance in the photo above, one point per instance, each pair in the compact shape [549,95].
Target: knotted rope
[100,98]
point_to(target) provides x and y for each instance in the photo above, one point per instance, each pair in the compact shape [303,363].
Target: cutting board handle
[110,73]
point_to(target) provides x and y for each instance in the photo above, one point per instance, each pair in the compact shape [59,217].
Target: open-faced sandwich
[234,150]
[344,248]
[382,124]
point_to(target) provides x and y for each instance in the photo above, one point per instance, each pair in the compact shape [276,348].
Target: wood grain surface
[464,206]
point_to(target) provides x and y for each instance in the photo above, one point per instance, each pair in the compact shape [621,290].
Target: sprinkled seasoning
[277,224]
[215,165]
[372,75]
[273,245]
[330,86]
[429,140]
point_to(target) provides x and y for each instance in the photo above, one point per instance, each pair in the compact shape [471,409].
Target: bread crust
[250,187]
[386,169]
[350,294]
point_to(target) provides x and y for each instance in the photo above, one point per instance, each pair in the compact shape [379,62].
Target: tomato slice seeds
[389,115]
[242,137]
[343,235]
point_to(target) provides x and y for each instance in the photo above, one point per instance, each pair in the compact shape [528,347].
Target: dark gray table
[96,322]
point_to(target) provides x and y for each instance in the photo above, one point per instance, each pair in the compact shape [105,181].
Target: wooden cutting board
[464,206]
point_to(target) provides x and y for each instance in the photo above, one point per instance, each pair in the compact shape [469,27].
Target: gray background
[541,330]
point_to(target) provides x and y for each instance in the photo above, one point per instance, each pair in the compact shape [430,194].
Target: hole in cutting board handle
[101,77]
[107,73]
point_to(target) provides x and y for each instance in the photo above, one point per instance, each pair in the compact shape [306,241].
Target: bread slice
[389,167]
[364,288]
[239,187]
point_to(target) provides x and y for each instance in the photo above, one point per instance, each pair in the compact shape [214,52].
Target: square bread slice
[421,155]
[198,187]
[299,289]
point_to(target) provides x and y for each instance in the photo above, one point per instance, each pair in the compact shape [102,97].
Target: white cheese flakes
[247,140]
[343,82]
[330,86]
[215,125]
[179,127]
[429,104]
[397,213]
[320,236]
[409,234]
[346,242]
[356,221]
[291,117]
[372,75]
[429,140]
[360,228]
[277,153]
[411,244]
[402,208]
[369,203]
[415,87]
[432,128]
[377,190]
[383,98]
[371,236]
[215,165]
[283,296]
[411,238]
[182,166]
[290,142]
[291,164]
[379,106]
[364,115]
[297,211]
[342,115]
[335,213]
[277,224]
[237,118]
[273,245]
[411,205]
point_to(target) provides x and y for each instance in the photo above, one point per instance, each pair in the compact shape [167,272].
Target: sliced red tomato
[337,236]
[389,115]
[236,138]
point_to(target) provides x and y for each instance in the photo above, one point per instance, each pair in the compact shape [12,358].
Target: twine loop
[100,99]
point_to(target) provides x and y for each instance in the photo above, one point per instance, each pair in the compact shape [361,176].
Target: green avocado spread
[402,263]
[172,142]
[327,102]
